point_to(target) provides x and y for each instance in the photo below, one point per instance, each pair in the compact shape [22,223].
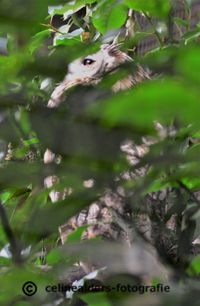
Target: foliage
[43,37]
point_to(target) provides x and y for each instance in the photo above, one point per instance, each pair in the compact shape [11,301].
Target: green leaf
[159,8]
[109,15]
[18,174]
[38,40]
[57,214]
[17,277]
[157,185]
[194,268]
[53,257]
[191,183]
[22,17]
[70,8]
[31,141]
[188,63]
[11,65]
[77,234]
[63,39]
[5,196]
[181,22]
[96,299]
[160,100]
[191,36]
[24,121]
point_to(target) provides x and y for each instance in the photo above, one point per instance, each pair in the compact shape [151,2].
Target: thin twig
[51,27]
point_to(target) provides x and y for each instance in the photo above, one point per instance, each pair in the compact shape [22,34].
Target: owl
[89,70]
[105,217]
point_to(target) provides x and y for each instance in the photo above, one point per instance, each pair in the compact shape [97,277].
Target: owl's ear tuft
[113,50]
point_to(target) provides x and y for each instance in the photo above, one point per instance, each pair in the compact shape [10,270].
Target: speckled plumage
[109,217]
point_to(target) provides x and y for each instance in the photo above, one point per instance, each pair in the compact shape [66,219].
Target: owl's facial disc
[93,67]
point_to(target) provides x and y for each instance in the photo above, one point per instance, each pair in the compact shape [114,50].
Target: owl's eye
[88,61]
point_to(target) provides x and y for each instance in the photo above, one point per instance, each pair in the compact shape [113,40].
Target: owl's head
[89,70]
[94,66]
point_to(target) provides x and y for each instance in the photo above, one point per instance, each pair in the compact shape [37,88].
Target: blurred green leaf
[141,106]
[23,18]
[109,15]
[92,140]
[19,174]
[38,40]
[17,277]
[57,214]
[194,267]
[191,36]
[188,63]
[53,257]
[11,66]
[96,299]
[181,22]
[157,8]
[76,235]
